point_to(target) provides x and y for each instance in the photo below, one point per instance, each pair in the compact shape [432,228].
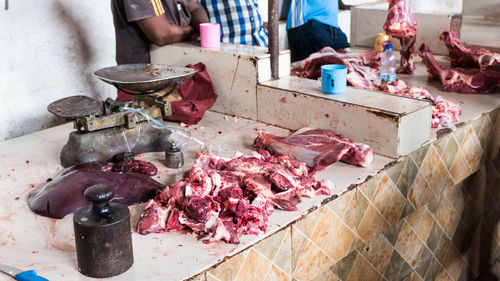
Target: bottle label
[388,78]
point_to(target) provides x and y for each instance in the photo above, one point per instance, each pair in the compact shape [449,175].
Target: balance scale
[112,130]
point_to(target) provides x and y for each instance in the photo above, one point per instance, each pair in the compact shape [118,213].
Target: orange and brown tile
[419,155]
[369,187]
[377,252]
[460,133]
[298,244]
[447,218]
[460,169]
[362,204]
[395,171]
[423,262]
[407,177]
[456,196]
[342,268]
[388,192]
[432,270]
[409,245]
[477,124]
[362,270]
[450,153]
[283,258]
[434,236]
[230,268]
[331,228]
[276,274]
[340,204]
[471,147]
[421,220]
[312,262]
[429,163]
[443,276]
[269,247]
[436,182]
[372,224]
[485,133]
[453,262]
[308,223]
[255,267]
[420,192]
[441,144]
[326,275]
[416,277]
[392,270]
[210,277]
[392,233]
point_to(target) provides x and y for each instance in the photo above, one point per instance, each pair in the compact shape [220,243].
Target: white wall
[49,50]
[482,8]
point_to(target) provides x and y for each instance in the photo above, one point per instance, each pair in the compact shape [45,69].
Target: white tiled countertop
[29,241]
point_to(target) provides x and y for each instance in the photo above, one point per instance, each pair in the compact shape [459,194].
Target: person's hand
[343,6]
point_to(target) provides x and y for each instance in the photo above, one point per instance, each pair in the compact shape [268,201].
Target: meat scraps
[363,73]
[460,80]
[224,198]
[318,148]
[402,23]
[461,56]
[64,194]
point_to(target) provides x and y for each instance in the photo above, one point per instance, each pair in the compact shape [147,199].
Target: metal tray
[144,78]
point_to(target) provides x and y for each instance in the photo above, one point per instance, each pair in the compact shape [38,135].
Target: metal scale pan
[145,78]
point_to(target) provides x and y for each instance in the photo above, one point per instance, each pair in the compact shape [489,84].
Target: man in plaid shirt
[240,21]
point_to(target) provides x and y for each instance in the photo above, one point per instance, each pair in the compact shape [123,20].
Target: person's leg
[307,39]
[339,39]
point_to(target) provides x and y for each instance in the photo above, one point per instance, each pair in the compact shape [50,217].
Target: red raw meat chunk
[461,56]
[317,148]
[460,80]
[222,199]
[363,73]
[402,23]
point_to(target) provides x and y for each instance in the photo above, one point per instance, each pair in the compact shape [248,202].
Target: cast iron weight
[102,234]
[174,158]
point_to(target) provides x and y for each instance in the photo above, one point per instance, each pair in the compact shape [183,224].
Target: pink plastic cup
[210,35]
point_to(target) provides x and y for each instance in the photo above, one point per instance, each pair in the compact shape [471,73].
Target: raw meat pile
[363,73]
[461,56]
[64,194]
[470,72]
[221,199]
[317,148]
[402,23]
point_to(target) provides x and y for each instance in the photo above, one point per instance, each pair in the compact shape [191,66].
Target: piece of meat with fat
[238,199]
[317,148]
[364,75]
[402,23]
[462,56]
[460,80]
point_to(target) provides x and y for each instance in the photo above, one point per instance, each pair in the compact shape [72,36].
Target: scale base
[104,145]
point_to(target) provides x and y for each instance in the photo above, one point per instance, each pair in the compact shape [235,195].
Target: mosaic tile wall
[431,216]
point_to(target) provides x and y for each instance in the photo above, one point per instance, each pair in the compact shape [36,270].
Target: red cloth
[198,95]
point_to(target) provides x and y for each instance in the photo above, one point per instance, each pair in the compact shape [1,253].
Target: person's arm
[198,14]
[343,6]
[160,32]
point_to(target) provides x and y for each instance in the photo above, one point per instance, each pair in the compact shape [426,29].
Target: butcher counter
[431,214]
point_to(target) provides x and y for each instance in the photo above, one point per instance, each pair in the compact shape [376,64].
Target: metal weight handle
[99,195]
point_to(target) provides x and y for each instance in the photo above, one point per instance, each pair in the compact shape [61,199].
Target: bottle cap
[388,47]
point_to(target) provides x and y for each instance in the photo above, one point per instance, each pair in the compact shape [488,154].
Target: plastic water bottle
[388,65]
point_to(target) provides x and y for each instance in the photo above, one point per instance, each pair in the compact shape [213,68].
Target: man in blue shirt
[240,21]
[312,25]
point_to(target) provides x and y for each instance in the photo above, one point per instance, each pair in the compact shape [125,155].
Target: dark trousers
[313,36]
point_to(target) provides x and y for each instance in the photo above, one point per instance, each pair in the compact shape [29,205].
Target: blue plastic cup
[333,79]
